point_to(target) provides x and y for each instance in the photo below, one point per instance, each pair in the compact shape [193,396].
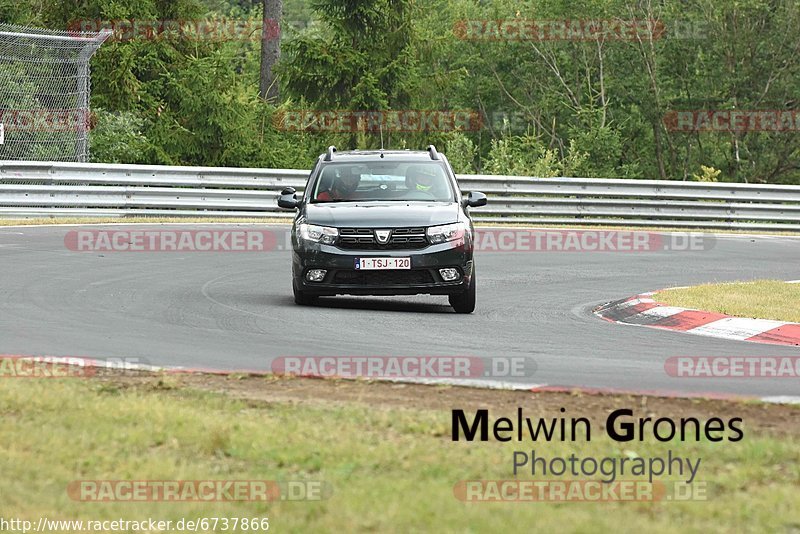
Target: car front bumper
[343,279]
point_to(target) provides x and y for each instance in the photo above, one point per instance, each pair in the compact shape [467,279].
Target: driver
[342,188]
[421,178]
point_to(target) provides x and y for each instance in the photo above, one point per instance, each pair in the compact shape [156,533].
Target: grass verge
[384,449]
[760,299]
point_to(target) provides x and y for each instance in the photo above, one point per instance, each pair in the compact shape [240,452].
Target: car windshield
[387,181]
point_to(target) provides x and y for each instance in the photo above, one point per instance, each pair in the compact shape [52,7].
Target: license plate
[375,264]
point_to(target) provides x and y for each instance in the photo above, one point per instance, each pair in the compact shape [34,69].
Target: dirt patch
[761,418]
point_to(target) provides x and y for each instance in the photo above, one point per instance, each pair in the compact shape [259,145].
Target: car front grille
[364,239]
[383,278]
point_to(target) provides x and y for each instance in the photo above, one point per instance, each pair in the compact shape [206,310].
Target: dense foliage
[550,107]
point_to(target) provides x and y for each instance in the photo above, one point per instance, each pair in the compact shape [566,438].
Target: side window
[309,182]
[325,180]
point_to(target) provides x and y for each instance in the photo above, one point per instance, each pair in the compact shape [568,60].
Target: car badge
[382,236]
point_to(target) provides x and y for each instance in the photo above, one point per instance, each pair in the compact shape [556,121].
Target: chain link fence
[44,93]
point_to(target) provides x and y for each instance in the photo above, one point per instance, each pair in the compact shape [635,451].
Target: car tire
[465,302]
[302,298]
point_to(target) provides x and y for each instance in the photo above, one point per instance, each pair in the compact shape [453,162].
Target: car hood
[382,214]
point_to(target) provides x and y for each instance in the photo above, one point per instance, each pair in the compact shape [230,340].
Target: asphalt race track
[235,311]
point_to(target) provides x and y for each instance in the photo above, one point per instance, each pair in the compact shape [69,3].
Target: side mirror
[475,199]
[287,199]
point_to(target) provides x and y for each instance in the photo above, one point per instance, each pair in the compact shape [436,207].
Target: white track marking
[782,399]
[659,311]
[777,399]
[465,382]
[633,302]
[73,225]
[482,226]
[736,328]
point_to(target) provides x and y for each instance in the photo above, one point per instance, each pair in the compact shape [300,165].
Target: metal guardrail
[45,189]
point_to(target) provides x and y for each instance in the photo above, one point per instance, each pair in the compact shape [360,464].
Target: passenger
[343,188]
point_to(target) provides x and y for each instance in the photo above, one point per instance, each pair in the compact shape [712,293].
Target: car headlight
[447,232]
[318,234]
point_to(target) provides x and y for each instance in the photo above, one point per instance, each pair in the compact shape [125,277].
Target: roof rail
[329,154]
[433,153]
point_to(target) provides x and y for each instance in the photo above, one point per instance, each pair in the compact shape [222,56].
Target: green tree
[360,57]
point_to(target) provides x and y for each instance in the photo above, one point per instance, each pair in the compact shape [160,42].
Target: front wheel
[302,298]
[465,302]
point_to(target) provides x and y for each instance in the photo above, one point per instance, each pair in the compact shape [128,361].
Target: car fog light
[449,275]
[316,275]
